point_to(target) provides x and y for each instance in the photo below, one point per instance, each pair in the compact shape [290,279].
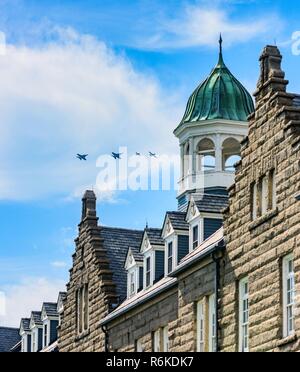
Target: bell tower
[214,124]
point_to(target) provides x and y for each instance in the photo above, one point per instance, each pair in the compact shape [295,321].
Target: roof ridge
[121,229]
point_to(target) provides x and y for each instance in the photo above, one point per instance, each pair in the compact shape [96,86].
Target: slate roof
[116,242]
[178,220]
[50,309]
[25,323]
[154,236]
[211,203]
[37,317]
[9,337]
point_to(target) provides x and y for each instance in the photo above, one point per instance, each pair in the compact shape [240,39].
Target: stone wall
[90,267]
[256,248]
[175,309]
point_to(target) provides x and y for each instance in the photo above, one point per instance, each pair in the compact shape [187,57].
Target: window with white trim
[132,283]
[201,326]
[244,315]
[156,341]
[139,346]
[148,271]
[34,347]
[195,236]
[165,333]
[288,296]
[212,324]
[45,335]
[170,257]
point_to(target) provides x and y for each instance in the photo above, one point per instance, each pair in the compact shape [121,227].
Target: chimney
[89,205]
[271,78]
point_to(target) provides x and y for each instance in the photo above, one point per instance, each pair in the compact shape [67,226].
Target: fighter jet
[138,154]
[152,155]
[82,157]
[116,155]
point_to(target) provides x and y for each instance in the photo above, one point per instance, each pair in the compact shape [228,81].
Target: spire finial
[221,43]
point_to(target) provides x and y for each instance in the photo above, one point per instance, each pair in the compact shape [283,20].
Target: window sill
[263,219]
[287,340]
[82,335]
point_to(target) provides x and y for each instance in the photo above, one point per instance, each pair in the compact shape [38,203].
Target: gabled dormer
[134,265]
[50,319]
[25,334]
[60,305]
[175,234]
[36,329]
[204,216]
[152,249]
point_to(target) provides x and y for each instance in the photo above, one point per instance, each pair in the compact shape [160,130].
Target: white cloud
[199,25]
[70,96]
[59,264]
[28,296]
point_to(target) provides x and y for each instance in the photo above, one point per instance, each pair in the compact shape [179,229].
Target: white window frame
[33,341]
[197,225]
[170,258]
[212,323]
[165,333]
[157,341]
[139,346]
[132,284]
[288,303]
[150,257]
[244,315]
[45,335]
[201,325]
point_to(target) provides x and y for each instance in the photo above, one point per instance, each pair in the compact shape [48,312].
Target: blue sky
[90,76]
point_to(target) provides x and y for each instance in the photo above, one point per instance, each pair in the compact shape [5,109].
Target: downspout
[217,258]
[106,344]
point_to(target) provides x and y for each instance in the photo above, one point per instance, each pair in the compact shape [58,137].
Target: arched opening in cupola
[231,154]
[206,155]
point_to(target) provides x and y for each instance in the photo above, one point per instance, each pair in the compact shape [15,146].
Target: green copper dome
[220,96]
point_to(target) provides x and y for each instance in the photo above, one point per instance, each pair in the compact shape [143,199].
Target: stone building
[259,308]
[223,272]
[143,290]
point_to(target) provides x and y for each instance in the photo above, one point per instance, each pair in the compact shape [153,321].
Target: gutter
[113,316]
[217,256]
[106,343]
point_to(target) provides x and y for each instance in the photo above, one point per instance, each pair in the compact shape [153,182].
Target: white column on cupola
[192,156]
[182,161]
[219,153]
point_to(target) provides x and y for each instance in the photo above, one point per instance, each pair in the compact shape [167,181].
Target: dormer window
[195,236]
[134,268]
[45,335]
[175,234]
[204,217]
[132,284]
[148,271]
[170,257]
